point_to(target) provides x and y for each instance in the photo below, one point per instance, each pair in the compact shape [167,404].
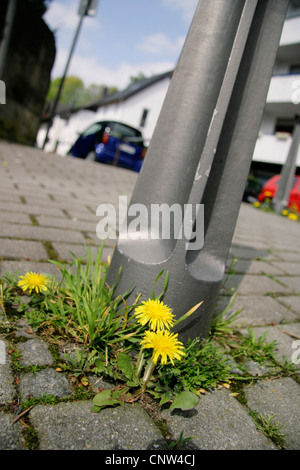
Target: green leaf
[164,400]
[104,398]
[124,364]
[185,401]
[132,383]
[101,366]
[96,409]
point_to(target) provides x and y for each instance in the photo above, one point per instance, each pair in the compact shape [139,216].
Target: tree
[40,6]
[75,93]
[137,78]
[72,89]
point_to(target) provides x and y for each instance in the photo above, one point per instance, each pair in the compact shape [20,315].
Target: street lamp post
[86,8]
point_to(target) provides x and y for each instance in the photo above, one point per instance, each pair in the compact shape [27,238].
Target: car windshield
[122,131]
[93,129]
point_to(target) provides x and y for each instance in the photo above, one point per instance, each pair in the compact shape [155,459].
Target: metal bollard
[281,198]
[200,153]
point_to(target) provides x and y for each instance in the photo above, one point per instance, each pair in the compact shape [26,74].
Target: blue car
[111,142]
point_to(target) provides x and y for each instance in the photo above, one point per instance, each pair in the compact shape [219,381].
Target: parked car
[111,142]
[252,189]
[270,187]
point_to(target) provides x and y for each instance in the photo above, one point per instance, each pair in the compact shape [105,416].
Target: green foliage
[83,309]
[204,366]
[81,362]
[83,306]
[185,400]
[269,427]
[257,349]
[71,91]
[137,78]
[75,93]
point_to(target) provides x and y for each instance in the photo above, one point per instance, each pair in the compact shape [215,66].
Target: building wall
[63,133]
[283,100]
[271,147]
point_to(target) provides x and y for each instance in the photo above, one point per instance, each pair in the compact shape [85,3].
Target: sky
[125,38]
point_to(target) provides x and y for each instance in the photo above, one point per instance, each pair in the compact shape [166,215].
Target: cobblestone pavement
[47,209]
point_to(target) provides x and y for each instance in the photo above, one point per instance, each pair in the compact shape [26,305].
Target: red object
[270,187]
[105,138]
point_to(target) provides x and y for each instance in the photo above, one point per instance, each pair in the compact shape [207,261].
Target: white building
[282,103]
[139,105]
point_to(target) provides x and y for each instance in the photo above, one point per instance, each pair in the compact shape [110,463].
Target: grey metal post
[201,152]
[281,198]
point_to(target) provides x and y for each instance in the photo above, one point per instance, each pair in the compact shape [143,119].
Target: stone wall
[27,70]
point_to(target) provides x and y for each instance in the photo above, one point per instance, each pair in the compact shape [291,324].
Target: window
[127,133]
[295,69]
[93,129]
[284,125]
[144,117]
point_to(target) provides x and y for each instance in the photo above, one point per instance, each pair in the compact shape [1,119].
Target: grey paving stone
[7,383]
[292,302]
[45,382]
[288,268]
[244,252]
[15,217]
[34,209]
[256,369]
[292,256]
[72,426]
[279,398]
[23,249]
[293,282]
[41,233]
[255,310]
[67,223]
[218,422]
[82,214]
[35,352]
[255,267]
[9,196]
[24,329]
[254,284]
[10,433]
[24,266]
[65,251]
[283,337]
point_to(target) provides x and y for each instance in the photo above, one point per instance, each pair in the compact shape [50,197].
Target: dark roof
[116,97]
[131,90]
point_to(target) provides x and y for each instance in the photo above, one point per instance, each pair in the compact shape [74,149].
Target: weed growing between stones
[131,347]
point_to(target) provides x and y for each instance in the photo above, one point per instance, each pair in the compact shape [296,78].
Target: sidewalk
[47,209]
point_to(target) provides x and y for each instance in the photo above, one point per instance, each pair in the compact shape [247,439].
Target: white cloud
[160,44]
[91,71]
[65,16]
[186,7]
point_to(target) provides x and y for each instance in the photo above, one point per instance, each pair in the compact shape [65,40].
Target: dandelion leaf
[185,401]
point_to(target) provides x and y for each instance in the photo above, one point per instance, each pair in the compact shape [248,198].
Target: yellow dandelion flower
[33,281]
[156,313]
[293,216]
[164,344]
[284,212]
